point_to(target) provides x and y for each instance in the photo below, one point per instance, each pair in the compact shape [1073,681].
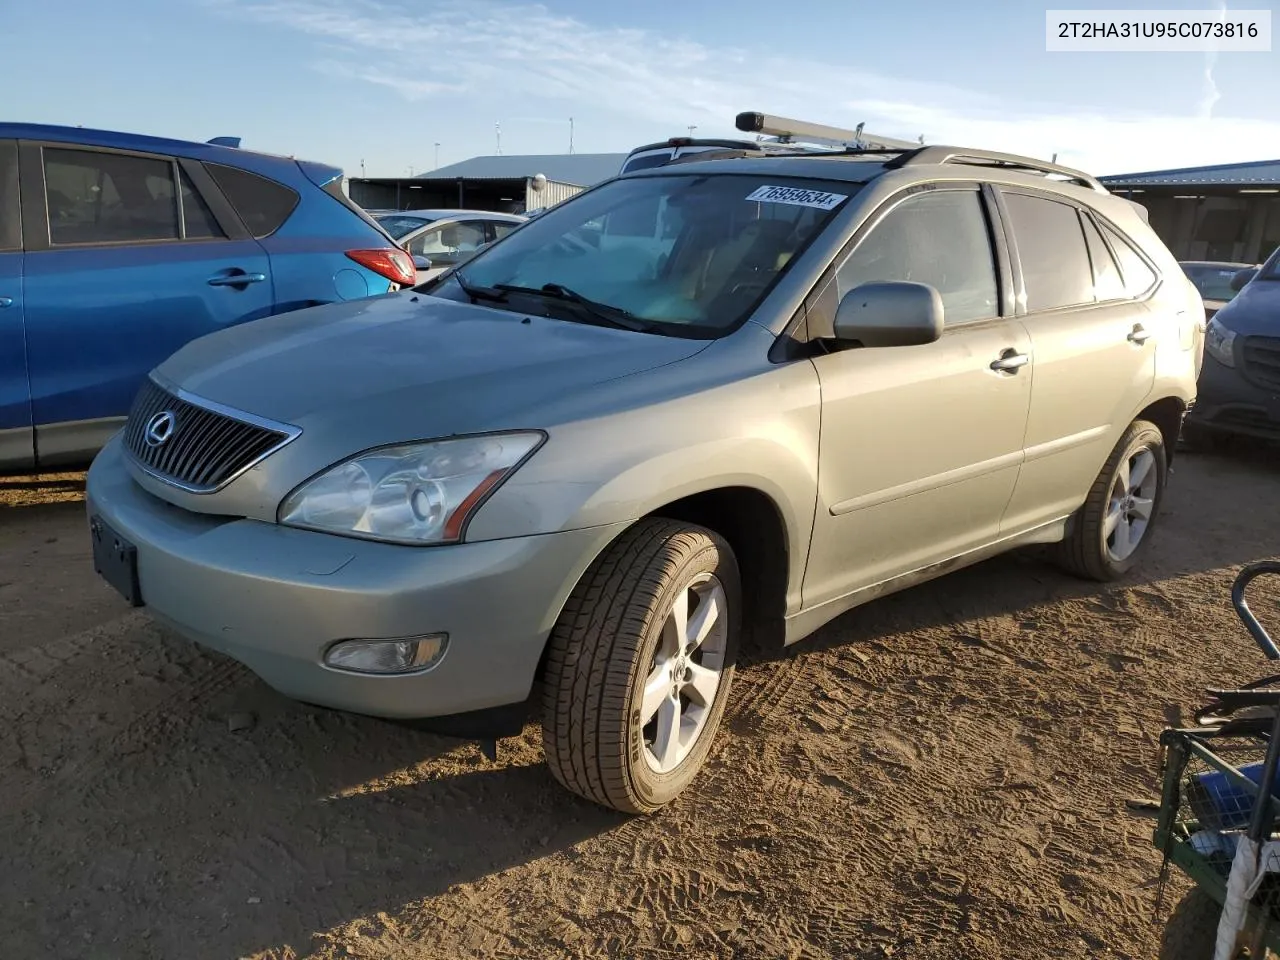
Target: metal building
[1226,212]
[504,184]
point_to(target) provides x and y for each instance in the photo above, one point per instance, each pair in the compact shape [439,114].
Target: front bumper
[1229,403]
[275,598]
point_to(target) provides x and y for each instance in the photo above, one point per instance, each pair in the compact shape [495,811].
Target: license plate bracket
[116,560]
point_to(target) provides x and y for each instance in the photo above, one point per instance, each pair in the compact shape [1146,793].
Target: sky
[374,85]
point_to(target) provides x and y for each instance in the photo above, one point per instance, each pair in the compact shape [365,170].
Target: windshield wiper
[478,293]
[602,313]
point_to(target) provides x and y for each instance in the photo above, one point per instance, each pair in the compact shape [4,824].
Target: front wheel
[639,666]
[1114,525]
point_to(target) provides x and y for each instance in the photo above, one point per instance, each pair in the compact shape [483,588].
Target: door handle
[236,279]
[1010,362]
[1139,335]
[5,302]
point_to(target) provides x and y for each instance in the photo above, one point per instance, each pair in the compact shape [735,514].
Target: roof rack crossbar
[961,155]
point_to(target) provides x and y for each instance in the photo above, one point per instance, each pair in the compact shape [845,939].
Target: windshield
[1212,280]
[401,226]
[688,255]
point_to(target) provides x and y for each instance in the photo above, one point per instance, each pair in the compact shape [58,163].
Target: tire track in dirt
[132,681]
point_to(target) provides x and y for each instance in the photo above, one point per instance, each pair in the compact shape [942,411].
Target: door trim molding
[925,484]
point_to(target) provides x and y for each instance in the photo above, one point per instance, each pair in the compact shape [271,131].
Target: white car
[440,239]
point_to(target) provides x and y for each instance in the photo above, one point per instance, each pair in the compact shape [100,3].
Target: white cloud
[529,56]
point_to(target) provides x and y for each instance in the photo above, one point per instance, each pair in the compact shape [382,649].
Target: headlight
[417,493]
[1219,343]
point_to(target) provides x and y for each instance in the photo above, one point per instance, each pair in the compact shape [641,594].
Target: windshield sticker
[798,197]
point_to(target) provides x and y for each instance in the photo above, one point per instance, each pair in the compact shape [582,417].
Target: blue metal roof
[578,169]
[1258,172]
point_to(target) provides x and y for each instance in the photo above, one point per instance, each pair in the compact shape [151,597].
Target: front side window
[446,244]
[109,197]
[938,237]
[713,250]
[1051,248]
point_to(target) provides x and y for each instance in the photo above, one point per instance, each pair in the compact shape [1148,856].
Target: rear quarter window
[264,205]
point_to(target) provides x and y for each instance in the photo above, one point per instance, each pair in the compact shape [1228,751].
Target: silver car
[440,239]
[692,407]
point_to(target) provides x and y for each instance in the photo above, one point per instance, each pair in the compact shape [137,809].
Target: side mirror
[1242,277]
[421,263]
[889,314]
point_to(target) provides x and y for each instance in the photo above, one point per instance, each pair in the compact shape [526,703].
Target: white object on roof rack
[784,130]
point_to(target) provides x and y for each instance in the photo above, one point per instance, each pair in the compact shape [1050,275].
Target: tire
[1192,928]
[617,633]
[1093,551]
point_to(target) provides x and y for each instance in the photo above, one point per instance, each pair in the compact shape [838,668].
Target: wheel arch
[1166,413]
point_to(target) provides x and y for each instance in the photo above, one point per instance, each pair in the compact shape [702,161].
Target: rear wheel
[639,666]
[1114,526]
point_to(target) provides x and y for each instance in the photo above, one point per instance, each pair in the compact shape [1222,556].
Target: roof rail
[786,130]
[991,158]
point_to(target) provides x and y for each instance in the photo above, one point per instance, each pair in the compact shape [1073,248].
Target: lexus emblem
[159,428]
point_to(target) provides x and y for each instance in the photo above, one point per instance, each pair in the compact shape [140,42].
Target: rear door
[16,448]
[129,257]
[1093,341]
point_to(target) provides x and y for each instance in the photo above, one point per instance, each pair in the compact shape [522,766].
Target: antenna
[437,166]
[362,169]
[571,134]
[497,130]
[692,127]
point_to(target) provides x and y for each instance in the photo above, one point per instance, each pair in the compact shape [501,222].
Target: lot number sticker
[798,197]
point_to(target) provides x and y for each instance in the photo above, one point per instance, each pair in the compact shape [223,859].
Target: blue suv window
[198,221]
[97,197]
[10,222]
[262,204]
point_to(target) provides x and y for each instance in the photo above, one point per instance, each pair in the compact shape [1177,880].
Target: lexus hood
[409,365]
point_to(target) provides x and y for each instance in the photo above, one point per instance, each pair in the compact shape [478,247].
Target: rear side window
[198,220]
[1107,284]
[108,197]
[1138,277]
[10,219]
[940,238]
[1052,251]
[262,204]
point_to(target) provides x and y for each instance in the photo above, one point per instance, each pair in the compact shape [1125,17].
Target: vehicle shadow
[248,843]
[39,489]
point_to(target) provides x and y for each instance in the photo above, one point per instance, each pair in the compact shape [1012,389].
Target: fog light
[411,655]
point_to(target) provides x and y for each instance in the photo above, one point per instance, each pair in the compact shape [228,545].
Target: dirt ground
[943,773]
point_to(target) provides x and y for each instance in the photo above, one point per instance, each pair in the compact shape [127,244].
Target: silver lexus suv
[697,406]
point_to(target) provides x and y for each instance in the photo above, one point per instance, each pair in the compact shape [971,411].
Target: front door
[130,265]
[1093,340]
[16,449]
[920,446]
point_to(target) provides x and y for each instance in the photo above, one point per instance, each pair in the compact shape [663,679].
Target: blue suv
[116,249]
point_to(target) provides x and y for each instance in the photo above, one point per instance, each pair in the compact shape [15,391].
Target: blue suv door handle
[5,302]
[236,279]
